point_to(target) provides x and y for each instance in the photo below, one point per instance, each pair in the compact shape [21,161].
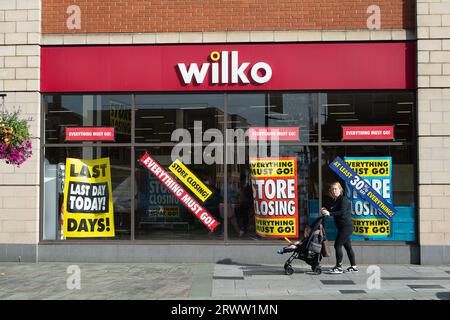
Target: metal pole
[133,168]
[225,170]
[319,149]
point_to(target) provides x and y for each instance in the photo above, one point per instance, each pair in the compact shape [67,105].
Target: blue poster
[377,172]
[363,188]
[162,205]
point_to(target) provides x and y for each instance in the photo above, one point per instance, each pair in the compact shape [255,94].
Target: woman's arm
[342,207]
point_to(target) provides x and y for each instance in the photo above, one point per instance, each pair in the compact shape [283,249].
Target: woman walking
[340,209]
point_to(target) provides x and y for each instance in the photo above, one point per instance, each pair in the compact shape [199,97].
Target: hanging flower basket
[15,140]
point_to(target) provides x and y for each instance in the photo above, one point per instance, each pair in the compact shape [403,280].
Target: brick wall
[20,26]
[223,15]
[433,33]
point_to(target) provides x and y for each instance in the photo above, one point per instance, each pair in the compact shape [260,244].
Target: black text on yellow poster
[274,185]
[88,207]
[190,180]
[371,227]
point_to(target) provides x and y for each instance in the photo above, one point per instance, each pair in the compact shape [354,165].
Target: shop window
[254,197]
[369,109]
[86,111]
[396,185]
[213,135]
[285,110]
[157,116]
[55,182]
[160,215]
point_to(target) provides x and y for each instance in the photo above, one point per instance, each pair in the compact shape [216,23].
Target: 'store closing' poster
[377,171]
[88,207]
[274,186]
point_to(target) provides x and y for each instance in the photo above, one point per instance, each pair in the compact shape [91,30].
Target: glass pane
[64,111]
[245,204]
[398,185]
[282,110]
[54,178]
[157,116]
[340,109]
[160,215]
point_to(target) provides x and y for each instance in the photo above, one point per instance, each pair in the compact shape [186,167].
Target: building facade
[201,82]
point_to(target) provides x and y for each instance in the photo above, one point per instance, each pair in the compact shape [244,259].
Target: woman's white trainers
[336,270]
[352,269]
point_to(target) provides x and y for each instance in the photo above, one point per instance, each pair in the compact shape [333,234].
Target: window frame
[132,145]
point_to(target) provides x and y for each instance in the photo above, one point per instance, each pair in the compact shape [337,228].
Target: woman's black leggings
[343,239]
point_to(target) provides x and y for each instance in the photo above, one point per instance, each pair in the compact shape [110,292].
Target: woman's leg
[342,238]
[350,252]
[338,243]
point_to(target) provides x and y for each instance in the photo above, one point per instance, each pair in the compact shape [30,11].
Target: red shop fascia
[224,67]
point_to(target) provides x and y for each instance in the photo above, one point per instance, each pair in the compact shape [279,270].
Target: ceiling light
[152,117]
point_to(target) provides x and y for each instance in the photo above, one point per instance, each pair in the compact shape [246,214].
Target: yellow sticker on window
[87,205]
[190,180]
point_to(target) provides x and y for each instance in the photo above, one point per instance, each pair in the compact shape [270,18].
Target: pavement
[224,281]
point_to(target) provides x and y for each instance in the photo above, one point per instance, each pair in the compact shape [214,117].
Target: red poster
[186,199]
[368,133]
[273,133]
[274,184]
[90,134]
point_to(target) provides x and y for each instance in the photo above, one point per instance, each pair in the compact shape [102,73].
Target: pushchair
[309,249]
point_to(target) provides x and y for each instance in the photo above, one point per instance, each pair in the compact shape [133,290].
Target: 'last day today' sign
[88,208]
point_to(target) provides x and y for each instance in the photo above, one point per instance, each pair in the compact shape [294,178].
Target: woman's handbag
[325,249]
[325,246]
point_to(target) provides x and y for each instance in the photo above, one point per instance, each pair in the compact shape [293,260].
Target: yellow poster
[276,228]
[120,117]
[368,220]
[275,203]
[371,227]
[87,205]
[190,180]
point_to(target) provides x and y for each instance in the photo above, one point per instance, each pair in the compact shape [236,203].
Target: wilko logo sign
[222,63]
[274,133]
[90,134]
[368,133]
[229,67]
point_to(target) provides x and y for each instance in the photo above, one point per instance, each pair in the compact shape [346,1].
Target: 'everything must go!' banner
[377,171]
[88,207]
[362,187]
[274,185]
[185,198]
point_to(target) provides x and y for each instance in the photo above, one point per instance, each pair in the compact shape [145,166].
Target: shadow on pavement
[262,270]
[271,270]
[443,295]
[231,262]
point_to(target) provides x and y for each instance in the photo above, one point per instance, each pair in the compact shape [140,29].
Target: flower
[15,143]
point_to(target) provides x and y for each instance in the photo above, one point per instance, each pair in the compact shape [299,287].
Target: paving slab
[207,281]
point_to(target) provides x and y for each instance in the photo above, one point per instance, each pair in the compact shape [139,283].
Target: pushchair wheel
[316,269]
[288,270]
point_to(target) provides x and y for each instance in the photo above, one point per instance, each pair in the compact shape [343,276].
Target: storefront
[212,107]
